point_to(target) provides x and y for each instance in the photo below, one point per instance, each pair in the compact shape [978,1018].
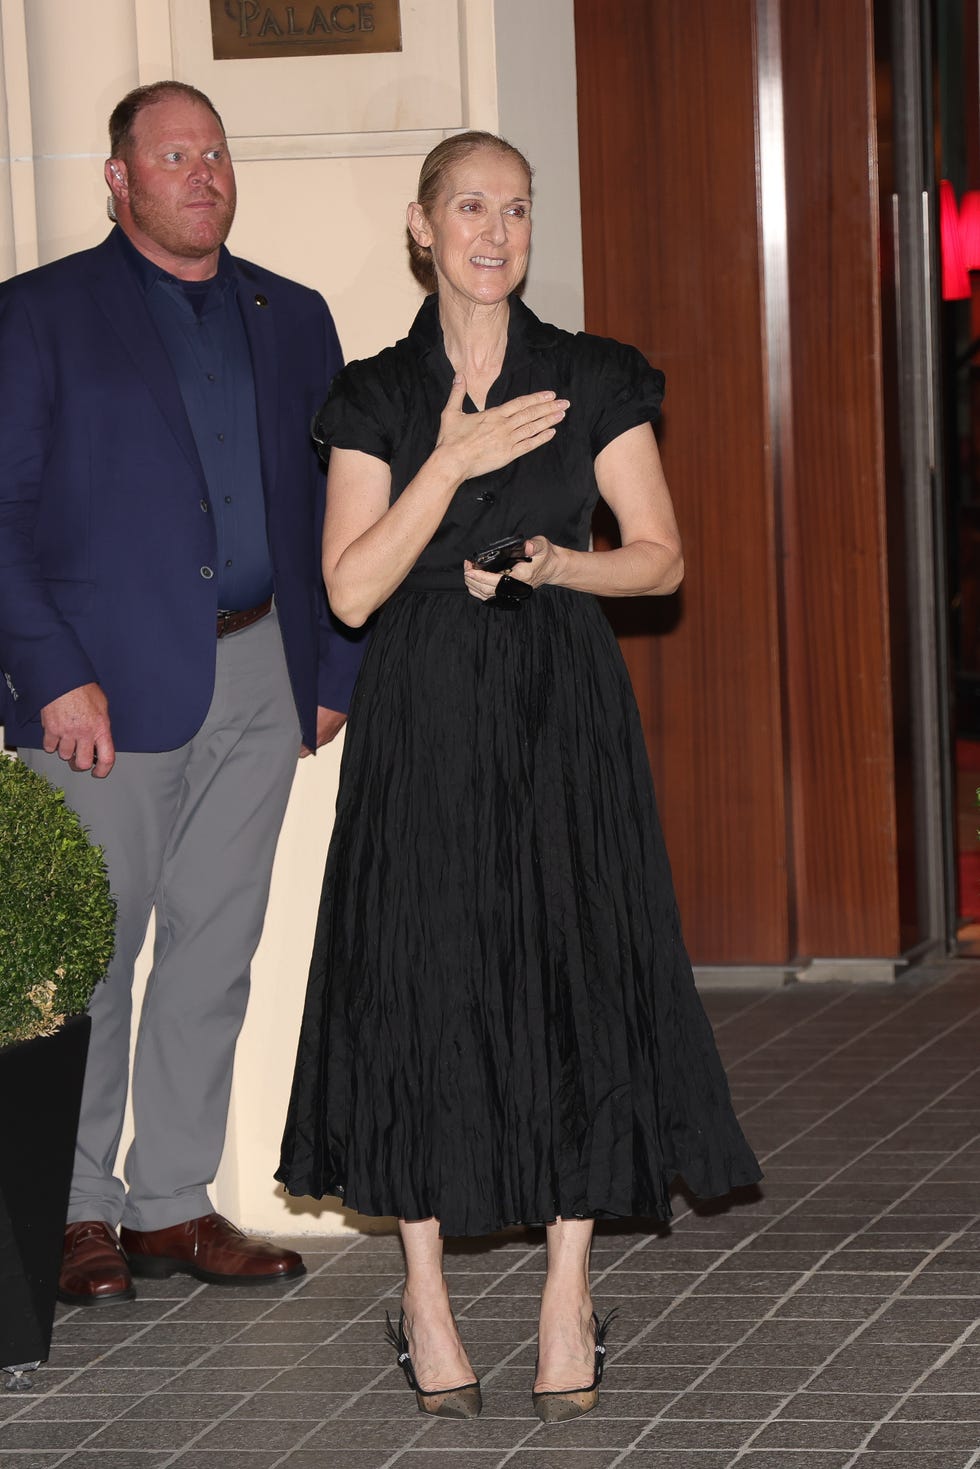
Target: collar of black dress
[526,333]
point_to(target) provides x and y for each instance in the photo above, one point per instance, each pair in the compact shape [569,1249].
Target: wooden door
[764,685]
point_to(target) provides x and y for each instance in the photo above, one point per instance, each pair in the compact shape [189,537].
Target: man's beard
[182,232]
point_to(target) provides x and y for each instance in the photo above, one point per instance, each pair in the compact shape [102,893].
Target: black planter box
[40,1096]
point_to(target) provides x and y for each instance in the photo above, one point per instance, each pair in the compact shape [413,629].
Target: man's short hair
[125,113]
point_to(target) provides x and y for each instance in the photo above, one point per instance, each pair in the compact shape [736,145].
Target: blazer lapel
[259,315]
[117,291]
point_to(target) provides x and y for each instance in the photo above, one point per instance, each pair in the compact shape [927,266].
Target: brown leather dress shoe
[211,1249]
[94,1271]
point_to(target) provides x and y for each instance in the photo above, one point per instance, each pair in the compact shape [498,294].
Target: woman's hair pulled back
[444,157]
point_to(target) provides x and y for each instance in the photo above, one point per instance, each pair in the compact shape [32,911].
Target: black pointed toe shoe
[454,1402]
[558,1407]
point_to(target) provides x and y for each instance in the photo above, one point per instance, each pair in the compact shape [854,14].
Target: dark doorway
[955,135]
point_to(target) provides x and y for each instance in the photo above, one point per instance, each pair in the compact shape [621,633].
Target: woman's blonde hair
[432,177]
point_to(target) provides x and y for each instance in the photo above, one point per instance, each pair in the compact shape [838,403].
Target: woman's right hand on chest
[484,441]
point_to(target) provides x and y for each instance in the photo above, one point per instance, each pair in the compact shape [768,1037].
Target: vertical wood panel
[835,551]
[672,263]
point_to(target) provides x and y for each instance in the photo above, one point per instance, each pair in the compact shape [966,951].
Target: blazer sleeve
[341,647]
[40,656]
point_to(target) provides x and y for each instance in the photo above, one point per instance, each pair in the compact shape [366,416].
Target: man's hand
[328,725]
[76,728]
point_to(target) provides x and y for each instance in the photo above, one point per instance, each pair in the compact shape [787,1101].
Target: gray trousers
[190,833]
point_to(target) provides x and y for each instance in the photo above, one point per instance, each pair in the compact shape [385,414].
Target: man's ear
[117,178]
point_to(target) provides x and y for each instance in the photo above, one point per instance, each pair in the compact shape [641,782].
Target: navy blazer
[106,539]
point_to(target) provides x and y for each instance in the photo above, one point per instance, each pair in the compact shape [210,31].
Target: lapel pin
[261,300]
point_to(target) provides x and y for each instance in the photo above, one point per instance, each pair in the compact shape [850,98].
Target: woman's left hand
[542,568]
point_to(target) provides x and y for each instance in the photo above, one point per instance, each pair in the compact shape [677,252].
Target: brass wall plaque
[255,28]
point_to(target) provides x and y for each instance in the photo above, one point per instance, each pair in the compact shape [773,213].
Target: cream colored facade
[327,153]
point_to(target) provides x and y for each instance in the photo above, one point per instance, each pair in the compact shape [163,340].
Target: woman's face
[479,228]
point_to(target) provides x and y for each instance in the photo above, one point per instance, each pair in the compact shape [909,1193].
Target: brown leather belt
[229,622]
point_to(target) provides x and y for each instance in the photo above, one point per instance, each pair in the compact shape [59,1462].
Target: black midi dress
[501,1024]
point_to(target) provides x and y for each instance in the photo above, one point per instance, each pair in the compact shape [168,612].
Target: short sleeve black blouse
[389,406]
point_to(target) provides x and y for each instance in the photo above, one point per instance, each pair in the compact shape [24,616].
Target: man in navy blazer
[164,629]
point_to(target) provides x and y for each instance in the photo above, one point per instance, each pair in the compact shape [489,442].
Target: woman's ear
[417,226]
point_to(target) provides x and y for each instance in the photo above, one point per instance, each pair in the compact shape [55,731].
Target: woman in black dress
[501,1024]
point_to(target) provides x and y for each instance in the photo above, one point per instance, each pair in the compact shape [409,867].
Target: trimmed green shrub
[57,916]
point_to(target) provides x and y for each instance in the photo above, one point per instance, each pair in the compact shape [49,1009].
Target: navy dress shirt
[201,326]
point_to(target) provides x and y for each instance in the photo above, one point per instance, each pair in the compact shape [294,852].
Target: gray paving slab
[830,1319]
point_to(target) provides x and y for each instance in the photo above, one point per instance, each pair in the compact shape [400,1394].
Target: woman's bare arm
[648,563]
[370,545]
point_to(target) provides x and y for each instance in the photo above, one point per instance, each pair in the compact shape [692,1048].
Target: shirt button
[207,573]
[204,505]
[221,438]
[227,499]
[227,563]
[210,377]
[487,498]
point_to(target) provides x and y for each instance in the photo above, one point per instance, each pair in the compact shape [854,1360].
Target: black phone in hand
[501,555]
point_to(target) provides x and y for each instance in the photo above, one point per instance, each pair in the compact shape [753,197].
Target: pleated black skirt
[501,1024]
